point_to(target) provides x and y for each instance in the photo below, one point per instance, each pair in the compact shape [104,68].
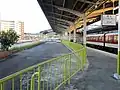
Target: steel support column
[66,36]
[118,61]
[74,33]
[117,75]
[84,30]
[69,35]
[84,37]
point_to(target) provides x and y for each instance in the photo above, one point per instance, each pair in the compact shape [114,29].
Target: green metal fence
[49,75]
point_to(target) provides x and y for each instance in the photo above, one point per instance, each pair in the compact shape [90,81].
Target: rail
[49,75]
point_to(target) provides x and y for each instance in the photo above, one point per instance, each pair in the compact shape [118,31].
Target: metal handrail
[29,68]
[66,68]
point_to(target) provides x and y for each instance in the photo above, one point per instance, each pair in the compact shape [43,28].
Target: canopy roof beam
[74,12]
[61,20]
[59,25]
[88,2]
[77,13]
[61,15]
[62,23]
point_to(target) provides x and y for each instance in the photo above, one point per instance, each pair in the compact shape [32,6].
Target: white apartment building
[18,26]
[7,25]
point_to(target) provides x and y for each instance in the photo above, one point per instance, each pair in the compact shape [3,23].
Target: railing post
[79,59]
[69,67]
[39,73]
[32,80]
[50,76]
[1,86]
[82,61]
[13,84]
[20,81]
[47,76]
[56,75]
[65,70]
[85,56]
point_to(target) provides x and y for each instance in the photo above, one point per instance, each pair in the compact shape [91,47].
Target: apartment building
[18,26]
[7,25]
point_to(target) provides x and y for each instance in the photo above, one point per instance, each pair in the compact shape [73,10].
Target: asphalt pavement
[99,75]
[31,57]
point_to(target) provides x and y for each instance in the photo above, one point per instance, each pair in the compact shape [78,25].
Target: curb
[86,66]
[4,59]
[82,73]
[68,47]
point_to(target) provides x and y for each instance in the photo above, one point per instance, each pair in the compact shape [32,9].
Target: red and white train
[109,40]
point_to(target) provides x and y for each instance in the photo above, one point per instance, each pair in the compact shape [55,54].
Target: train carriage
[104,40]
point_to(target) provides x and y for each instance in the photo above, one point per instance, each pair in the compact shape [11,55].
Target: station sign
[108,20]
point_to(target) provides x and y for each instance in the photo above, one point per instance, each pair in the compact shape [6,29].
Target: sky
[27,11]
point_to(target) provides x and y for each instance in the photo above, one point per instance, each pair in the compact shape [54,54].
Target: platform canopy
[62,14]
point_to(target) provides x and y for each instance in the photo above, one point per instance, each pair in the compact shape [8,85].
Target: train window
[93,38]
[106,38]
[110,38]
[102,38]
[90,38]
[97,38]
[115,38]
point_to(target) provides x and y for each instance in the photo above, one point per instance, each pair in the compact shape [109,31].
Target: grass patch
[72,45]
[25,47]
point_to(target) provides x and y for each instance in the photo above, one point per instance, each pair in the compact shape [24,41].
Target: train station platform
[99,74]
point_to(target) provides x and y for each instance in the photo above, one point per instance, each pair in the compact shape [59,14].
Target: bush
[7,39]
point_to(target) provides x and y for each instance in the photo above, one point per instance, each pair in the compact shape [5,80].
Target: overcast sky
[27,11]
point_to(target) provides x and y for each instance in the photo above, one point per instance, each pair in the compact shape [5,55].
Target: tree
[7,39]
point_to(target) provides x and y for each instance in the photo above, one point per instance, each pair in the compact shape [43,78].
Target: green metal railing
[49,75]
